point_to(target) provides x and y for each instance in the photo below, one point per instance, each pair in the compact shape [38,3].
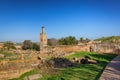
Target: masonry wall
[100,48]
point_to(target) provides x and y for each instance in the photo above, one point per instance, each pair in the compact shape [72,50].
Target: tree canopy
[70,40]
[35,46]
[52,42]
[82,40]
[27,44]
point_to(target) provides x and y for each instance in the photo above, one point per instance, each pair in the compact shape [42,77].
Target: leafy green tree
[70,40]
[27,44]
[35,46]
[81,39]
[62,41]
[87,40]
[9,45]
[52,42]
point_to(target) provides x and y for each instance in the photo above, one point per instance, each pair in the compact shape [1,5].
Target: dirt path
[112,70]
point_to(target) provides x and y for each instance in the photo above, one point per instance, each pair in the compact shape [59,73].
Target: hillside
[109,39]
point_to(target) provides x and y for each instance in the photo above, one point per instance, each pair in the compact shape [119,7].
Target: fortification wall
[100,48]
[74,48]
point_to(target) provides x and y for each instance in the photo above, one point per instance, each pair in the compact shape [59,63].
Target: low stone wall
[13,69]
[5,75]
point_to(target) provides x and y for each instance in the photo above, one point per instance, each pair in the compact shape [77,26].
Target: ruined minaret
[43,39]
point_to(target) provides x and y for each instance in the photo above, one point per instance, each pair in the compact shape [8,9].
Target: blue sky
[22,19]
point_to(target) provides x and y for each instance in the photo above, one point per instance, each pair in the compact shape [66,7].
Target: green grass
[109,39]
[85,71]
[35,71]
[79,72]
[79,54]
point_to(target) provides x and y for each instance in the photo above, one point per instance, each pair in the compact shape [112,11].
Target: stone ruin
[106,48]
[57,53]
[93,47]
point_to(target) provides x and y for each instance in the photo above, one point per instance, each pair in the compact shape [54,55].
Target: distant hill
[109,39]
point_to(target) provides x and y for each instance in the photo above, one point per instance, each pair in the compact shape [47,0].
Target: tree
[62,41]
[27,44]
[35,46]
[52,42]
[87,40]
[71,40]
[81,39]
[9,45]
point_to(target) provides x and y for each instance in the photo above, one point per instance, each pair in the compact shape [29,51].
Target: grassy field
[78,72]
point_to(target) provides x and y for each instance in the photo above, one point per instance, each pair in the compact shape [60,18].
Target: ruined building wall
[107,48]
[99,48]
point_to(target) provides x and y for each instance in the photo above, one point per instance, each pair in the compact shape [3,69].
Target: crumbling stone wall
[74,48]
[13,69]
[95,47]
[107,48]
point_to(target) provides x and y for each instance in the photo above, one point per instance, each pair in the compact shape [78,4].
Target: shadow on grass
[104,60]
[83,71]
[104,56]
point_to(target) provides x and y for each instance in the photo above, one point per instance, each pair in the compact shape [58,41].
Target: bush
[71,40]
[35,47]
[27,44]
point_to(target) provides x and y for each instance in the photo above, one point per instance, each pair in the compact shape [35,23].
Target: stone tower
[43,39]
